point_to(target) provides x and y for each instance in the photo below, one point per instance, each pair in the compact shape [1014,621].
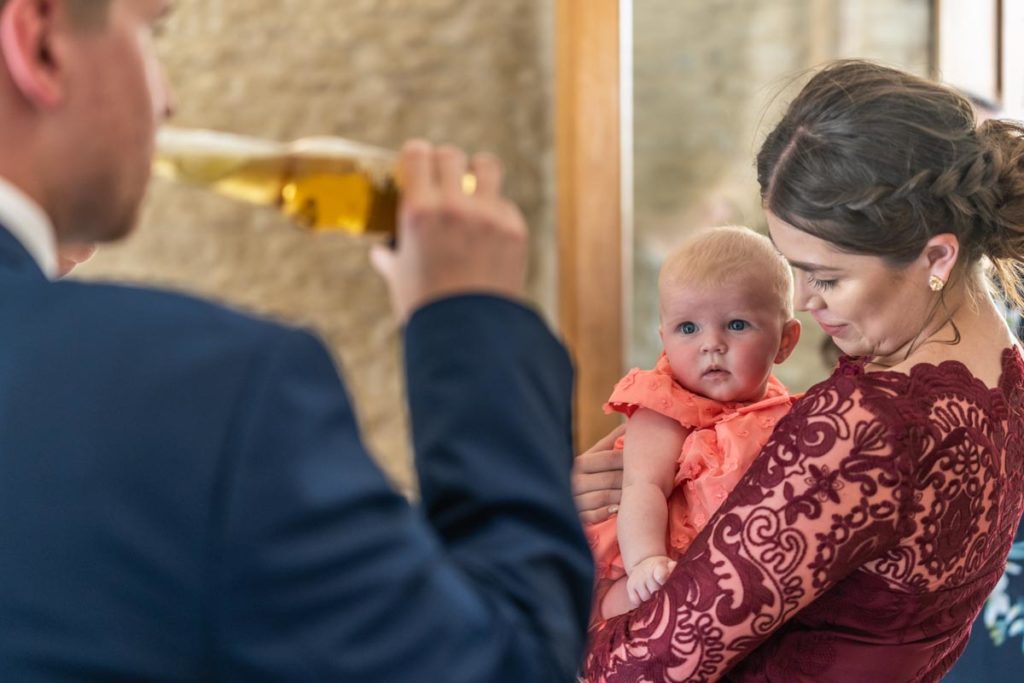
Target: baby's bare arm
[653,442]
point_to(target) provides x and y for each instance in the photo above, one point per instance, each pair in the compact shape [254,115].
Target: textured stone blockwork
[474,73]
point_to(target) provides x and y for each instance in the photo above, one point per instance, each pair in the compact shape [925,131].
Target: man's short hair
[88,12]
[83,12]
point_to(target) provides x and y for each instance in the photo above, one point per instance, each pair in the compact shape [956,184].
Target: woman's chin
[851,348]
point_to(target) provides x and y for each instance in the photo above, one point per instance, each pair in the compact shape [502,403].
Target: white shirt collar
[30,225]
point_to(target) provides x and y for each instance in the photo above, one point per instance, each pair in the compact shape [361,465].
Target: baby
[700,417]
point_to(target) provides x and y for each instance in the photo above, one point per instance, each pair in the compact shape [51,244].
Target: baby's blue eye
[738,325]
[688,328]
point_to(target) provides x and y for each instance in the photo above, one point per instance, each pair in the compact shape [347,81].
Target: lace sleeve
[827,494]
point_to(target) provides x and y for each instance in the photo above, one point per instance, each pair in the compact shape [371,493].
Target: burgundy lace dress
[859,546]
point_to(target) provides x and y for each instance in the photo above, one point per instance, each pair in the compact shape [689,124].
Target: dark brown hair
[878,161]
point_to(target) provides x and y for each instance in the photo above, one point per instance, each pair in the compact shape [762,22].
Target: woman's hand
[597,479]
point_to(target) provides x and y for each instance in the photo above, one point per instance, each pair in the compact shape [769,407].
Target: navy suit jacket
[184,497]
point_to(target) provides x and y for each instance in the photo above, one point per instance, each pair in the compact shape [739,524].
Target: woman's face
[868,307]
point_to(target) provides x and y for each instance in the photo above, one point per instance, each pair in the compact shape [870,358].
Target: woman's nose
[805,298]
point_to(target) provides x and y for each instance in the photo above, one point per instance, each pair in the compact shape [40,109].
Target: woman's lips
[831,329]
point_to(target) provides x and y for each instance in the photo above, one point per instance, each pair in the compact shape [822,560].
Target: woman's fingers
[597,506]
[597,515]
[597,493]
[607,442]
[583,482]
[597,479]
[598,461]
[594,500]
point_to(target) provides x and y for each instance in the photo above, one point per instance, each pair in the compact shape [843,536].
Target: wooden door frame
[998,47]
[593,137]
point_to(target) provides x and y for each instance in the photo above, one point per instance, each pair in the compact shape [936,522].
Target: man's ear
[790,336]
[27,32]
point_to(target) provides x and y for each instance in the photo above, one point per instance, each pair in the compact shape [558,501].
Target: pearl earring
[936,283]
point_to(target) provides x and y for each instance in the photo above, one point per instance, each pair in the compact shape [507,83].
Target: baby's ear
[790,336]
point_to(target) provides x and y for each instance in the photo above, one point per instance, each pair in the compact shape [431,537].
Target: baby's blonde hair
[716,256]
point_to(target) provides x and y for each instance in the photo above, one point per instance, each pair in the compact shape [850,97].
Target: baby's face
[722,342]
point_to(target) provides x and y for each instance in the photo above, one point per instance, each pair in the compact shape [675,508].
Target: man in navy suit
[183,492]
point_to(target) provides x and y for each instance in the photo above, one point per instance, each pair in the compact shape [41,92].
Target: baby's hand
[648,576]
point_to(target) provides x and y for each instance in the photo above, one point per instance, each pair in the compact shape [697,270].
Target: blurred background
[705,81]
[710,79]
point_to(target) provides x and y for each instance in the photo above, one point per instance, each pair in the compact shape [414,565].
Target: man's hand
[449,242]
[647,577]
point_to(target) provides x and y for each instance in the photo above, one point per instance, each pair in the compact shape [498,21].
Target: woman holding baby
[864,538]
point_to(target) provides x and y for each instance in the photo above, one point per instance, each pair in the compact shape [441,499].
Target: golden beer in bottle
[323,183]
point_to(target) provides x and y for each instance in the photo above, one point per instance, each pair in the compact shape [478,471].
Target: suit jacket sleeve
[320,571]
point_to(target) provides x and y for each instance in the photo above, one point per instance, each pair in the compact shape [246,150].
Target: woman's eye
[688,328]
[738,325]
[823,285]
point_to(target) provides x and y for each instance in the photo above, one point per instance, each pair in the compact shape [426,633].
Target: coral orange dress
[726,438]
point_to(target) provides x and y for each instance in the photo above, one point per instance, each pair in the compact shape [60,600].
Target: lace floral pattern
[859,546]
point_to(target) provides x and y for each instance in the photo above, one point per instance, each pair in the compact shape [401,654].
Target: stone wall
[474,73]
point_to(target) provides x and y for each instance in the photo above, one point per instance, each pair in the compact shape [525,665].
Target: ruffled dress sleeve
[657,390]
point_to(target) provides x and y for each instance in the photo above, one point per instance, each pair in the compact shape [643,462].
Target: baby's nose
[713,345]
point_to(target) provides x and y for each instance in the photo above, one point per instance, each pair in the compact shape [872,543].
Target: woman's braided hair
[878,161]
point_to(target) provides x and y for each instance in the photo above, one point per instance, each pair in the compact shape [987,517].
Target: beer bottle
[323,183]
